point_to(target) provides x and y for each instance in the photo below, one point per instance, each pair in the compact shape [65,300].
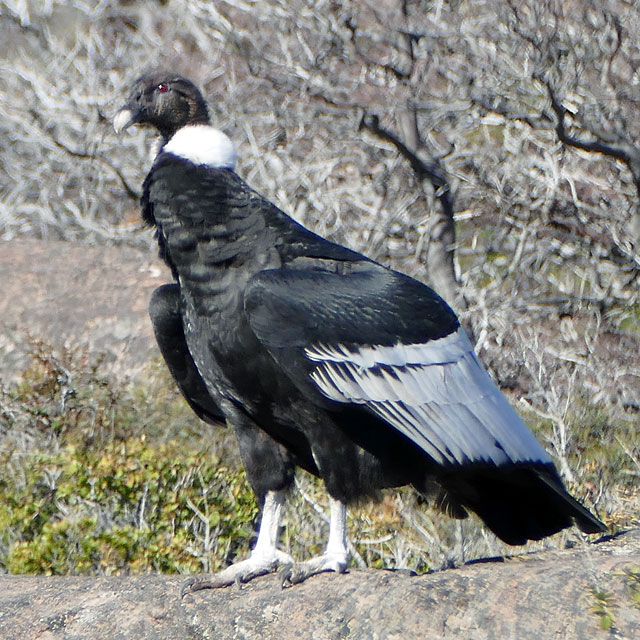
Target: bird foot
[300,571]
[257,564]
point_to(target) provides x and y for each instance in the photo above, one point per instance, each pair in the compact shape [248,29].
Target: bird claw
[198,584]
[298,572]
[285,573]
[238,573]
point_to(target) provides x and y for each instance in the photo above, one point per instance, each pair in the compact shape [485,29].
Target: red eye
[162,88]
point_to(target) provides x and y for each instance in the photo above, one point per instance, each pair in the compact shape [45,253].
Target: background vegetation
[489,148]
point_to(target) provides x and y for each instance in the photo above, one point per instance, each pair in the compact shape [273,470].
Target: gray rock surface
[77,296]
[569,594]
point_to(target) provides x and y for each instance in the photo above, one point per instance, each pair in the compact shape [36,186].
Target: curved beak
[125,118]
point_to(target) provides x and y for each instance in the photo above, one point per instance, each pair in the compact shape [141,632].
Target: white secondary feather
[203,145]
[436,393]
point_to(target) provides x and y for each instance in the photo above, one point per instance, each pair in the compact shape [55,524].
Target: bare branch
[134,194]
[422,169]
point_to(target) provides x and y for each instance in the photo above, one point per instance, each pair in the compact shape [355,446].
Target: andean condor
[321,358]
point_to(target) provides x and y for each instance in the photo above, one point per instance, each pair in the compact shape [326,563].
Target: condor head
[163,100]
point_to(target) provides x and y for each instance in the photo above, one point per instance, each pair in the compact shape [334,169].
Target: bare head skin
[165,101]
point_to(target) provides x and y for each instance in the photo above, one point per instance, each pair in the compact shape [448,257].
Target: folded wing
[374,338]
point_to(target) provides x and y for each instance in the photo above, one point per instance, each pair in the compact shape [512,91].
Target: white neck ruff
[203,145]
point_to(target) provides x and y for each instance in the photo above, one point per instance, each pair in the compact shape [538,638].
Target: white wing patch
[437,394]
[203,144]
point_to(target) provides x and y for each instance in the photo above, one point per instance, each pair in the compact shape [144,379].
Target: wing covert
[365,338]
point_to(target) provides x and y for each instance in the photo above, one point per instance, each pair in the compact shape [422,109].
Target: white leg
[266,544]
[337,545]
[336,556]
[265,557]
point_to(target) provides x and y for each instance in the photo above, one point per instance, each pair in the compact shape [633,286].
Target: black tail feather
[584,519]
[520,503]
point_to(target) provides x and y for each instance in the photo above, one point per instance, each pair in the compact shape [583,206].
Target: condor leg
[336,556]
[265,557]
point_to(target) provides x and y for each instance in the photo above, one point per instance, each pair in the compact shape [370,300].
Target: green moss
[603,606]
[630,319]
[632,580]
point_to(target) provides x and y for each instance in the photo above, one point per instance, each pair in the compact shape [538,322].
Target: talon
[303,570]
[285,574]
[187,587]
[299,575]
[196,584]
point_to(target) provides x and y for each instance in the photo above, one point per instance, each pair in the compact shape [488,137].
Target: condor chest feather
[211,233]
